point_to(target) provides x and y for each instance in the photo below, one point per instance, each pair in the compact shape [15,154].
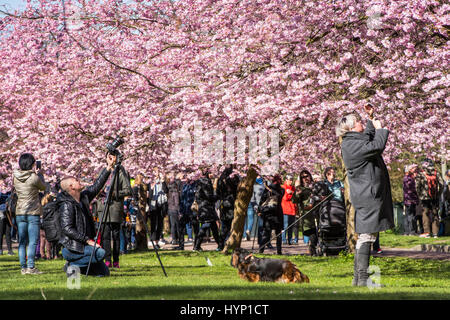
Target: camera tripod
[114,183]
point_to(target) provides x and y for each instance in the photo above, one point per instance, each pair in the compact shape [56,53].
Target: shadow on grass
[232,292]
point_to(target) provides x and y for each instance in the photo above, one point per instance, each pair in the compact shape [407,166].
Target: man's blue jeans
[123,240]
[189,230]
[82,259]
[133,234]
[29,228]
[287,221]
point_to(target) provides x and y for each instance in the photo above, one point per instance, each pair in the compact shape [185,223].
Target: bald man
[77,223]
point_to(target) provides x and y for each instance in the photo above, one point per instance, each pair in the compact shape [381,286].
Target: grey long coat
[116,209]
[370,188]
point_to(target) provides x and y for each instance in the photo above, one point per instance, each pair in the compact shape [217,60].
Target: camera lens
[112,147]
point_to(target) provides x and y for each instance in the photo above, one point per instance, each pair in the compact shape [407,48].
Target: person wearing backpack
[77,223]
[303,197]
[28,184]
[271,212]
[429,187]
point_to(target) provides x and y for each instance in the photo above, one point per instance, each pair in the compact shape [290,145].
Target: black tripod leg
[104,213]
[157,255]
[156,250]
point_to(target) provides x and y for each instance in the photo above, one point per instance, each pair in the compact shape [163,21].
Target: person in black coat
[271,212]
[77,223]
[186,214]
[370,189]
[157,201]
[114,218]
[227,186]
[206,199]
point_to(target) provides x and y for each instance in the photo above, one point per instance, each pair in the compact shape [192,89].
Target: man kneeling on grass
[77,223]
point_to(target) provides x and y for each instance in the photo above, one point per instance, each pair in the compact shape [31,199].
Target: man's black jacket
[75,225]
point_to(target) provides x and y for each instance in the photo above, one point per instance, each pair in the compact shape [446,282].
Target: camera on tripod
[112,147]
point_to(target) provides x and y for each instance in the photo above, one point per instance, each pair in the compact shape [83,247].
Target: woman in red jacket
[289,210]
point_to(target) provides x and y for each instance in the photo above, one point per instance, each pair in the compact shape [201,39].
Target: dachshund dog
[256,269]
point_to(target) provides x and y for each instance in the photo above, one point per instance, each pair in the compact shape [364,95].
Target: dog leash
[311,210]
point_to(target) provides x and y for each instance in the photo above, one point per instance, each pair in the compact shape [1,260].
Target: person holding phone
[28,184]
[370,189]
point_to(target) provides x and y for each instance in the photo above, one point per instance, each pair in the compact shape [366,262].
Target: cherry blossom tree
[75,74]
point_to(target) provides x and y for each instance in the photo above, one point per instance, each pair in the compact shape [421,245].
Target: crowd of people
[178,207]
[426,199]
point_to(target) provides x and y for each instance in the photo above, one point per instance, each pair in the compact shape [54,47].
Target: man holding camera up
[77,223]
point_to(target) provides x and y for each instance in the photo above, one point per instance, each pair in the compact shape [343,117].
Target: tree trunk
[244,195]
[352,237]
[141,219]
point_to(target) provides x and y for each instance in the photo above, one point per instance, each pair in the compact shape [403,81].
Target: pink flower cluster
[74,78]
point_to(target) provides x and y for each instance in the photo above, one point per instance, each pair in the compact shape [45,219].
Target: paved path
[301,249]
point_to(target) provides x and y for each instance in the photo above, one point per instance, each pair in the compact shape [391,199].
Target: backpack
[50,221]
[271,203]
[432,185]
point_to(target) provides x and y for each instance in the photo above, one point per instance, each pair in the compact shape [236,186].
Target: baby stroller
[331,226]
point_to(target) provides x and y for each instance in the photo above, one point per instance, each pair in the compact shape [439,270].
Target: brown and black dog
[256,269]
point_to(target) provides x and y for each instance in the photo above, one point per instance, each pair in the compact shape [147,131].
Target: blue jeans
[82,259]
[287,221]
[123,240]
[189,230]
[29,229]
[133,234]
[306,239]
[249,221]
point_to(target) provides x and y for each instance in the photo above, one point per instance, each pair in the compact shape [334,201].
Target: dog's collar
[249,256]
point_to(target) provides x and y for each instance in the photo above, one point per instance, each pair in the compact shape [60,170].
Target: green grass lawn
[191,278]
[392,240]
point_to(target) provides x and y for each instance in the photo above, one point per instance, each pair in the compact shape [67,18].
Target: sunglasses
[303,177]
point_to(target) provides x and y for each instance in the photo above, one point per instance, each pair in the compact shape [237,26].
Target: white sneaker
[161,243]
[33,271]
